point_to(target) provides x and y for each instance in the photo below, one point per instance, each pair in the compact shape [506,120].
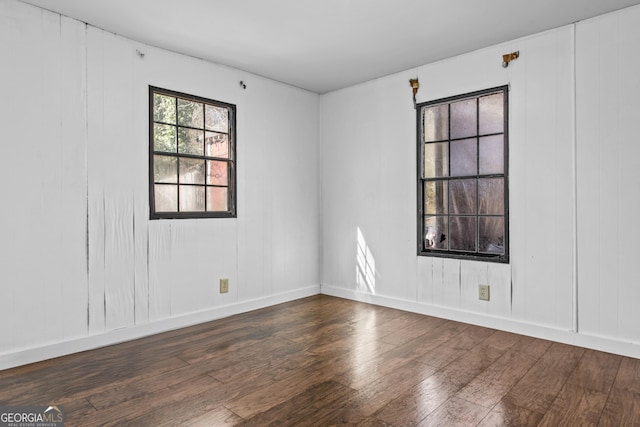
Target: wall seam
[574,118]
[320,197]
[86,163]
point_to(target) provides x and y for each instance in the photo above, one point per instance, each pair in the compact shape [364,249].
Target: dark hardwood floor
[324,361]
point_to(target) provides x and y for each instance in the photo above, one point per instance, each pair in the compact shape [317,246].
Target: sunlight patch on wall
[365,265]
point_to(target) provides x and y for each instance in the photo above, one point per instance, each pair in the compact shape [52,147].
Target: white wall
[560,179]
[326,191]
[82,265]
[608,91]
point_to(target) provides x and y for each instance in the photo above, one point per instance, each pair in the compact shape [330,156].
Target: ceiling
[323,45]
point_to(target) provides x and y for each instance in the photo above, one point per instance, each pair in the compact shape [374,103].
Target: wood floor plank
[218,417]
[178,412]
[303,406]
[488,388]
[358,405]
[246,350]
[373,422]
[384,363]
[361,348]
[71,383]
[418,401]
[378,317]
[455,412]
[76,409]
[411,328]
[538,389]
[144,387]
[419,347]
[378,393]
[575,405]
[265,398]
[628,377]
[507,415]
[225,345]
[456,345]
[405,319]
[314,328]
[622,409]
[596,370]
[274,368]
[468,366]
[277,372]
[130,410]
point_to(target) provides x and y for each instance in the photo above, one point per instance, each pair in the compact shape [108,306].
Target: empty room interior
[319,213]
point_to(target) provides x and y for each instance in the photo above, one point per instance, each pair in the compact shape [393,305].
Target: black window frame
[422,249]
[231,212]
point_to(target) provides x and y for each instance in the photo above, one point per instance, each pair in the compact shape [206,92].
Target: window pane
[190,113]
[165,169]
[191,198]
[491,154]
[462,196]
[164,108]
[491,230]
[164,138]
[217,119]
[217,173]
[436,123]
[217,199]
[166,198]
[463,176]
[462,230]
[190,141]
[191,171]
[491,114]
[435,232]
[435,197]
[217,145]
[491,196]
[464,119]
[436,160]
[464,157]
[192,156]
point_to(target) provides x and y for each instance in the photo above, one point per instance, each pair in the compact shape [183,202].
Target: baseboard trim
[591,341]
[38,354]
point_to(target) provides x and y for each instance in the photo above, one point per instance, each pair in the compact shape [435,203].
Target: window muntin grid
[192,156]
[462,176]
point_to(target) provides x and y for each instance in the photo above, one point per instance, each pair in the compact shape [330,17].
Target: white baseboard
[37,354]
[601,343]
[595,342]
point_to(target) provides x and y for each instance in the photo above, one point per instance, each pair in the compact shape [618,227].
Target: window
[462,176]
[192,156]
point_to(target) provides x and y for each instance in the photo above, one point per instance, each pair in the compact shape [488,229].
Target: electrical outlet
[224,286]
[484,293]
